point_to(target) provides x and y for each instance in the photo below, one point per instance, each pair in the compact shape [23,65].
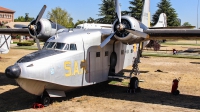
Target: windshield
[59,46]
[50,45]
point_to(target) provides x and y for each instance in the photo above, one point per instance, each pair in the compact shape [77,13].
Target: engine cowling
[125,36]
[44,29]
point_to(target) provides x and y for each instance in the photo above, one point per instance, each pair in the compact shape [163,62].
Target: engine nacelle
[44,29]
[125,36]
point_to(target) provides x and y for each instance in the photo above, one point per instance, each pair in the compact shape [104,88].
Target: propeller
[122,27]
[138,33]
[118,11]
[106,40]
[33,25]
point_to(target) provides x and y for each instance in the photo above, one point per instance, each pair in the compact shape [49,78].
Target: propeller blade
[37,40]
[138,33]
[107,40]
[118,10]
[38,43]
[40,14]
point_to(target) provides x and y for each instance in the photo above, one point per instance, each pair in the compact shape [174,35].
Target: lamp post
[197,16]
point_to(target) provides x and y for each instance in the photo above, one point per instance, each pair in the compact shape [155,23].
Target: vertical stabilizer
[4,43]
[162,21]
[145,19]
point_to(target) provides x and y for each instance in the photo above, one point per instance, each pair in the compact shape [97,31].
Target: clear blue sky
[83,9]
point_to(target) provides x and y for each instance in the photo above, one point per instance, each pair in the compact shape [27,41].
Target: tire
[46,100]
[134,83]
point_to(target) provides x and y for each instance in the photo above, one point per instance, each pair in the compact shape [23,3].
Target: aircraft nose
[13,71]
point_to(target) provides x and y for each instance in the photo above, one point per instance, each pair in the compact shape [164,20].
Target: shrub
[25,43]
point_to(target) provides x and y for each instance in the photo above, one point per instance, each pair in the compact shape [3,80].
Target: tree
[186,24]
[61,17]
[165,7]
[26,18]
[20,19]
[135,9]
[107,10]
[79,22]
[90,20]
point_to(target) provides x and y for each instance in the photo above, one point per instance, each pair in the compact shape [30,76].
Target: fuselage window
[73,47]
[122,52]
[106,53]
[66,47]
[97,54]
[59,46]
[131,50]
[50,45]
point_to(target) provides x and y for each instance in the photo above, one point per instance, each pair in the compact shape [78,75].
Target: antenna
[56,29]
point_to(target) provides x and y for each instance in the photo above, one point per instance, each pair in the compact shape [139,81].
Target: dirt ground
[155,93]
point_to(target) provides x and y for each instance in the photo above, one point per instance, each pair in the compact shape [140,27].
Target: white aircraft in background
[93,26]
[4,43]
[75,58]
[162,21]
[5,40]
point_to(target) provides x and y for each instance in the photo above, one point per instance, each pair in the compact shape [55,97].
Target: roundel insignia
[52,71]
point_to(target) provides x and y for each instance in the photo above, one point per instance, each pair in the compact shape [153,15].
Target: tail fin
[162,21]
[4,43]
[145,18]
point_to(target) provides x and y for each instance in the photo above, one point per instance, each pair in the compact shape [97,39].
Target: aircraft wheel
[133,85]
[46,100]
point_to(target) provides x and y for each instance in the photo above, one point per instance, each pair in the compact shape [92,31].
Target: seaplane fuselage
[69,60]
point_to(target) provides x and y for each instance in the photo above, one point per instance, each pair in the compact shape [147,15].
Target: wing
[156,34]
[13,31]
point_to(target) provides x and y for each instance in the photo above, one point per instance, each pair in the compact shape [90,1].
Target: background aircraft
[74,58]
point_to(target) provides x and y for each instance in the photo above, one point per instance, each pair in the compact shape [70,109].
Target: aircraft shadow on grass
[18,99]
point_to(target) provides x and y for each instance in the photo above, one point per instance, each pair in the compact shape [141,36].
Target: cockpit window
[50,45]
[73,47]
[66,47]
[45,45]
[59,46]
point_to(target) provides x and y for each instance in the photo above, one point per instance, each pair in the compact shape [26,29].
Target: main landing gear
[134,82]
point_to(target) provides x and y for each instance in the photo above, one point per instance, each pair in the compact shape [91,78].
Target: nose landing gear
[43,100]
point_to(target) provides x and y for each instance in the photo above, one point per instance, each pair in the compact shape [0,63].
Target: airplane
[75,58]
[93,26]
[4,43]
[5,40]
